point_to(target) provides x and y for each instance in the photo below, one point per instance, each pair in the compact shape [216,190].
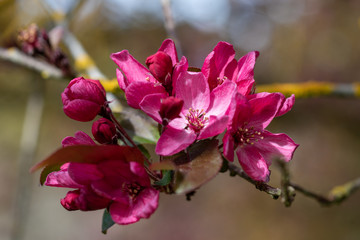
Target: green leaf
[107,222]
[142,140]
[166,179]
[202,162]
[144,151]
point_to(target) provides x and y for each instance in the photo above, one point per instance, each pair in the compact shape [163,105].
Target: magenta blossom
[203,114]
[117,184]
[220,65]
[137,81]
[256,147]
[83,99]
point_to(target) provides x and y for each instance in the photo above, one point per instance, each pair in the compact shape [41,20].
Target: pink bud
[160,66]
[83,99]
[170,108]
[103,130]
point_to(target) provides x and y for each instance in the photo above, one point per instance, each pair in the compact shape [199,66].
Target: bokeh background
[298,41]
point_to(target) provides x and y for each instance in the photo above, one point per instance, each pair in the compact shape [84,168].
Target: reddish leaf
[200,165]
[86,153]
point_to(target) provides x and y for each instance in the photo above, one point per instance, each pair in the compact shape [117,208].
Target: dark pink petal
[116,171]
[84,173]
[168,46]
[193,89]
[231,70]
[88,200]
[180,67]
[215,63]
[286,106]
[81,110]
[220,99]
[131,68]
[241,114]
[86,89]
[276,146]
[215,126]
[245,87]
[123,83]
[61,179]
[170,108]
[174,140]
[107,190]
[253,163]
[246,66]
[80,138]
[139,171]
[264,109]
[136,92]
[228,146]
[151,105]
[143,206]
[70,201]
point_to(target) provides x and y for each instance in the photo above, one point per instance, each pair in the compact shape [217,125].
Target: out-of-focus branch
[169,24]
[313,89]
[336,196]
[28,145]
[16,56]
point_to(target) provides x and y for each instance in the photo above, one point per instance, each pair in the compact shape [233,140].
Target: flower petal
[84,173]
[61,178]
[246,66]
[151,105]
[264,109]
[228,144]
[276,146]
[136,92]
[168,46]
[81,138]
[143,207]
[193,89]
[215,126]
[131,68]
[286,106]
[220,99]
[174,140]
[253,163]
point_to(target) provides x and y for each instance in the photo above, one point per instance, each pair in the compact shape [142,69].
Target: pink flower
[137,81]
[80,138]
[83,99]
[104,131]
[117,184]
[220,65]
[203,114]
[256,147]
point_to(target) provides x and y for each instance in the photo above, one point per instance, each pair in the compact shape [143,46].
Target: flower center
[133,189]
[221,80]
[196,119]
[244,136]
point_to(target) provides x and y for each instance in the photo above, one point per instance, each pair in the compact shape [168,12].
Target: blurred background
[298,41]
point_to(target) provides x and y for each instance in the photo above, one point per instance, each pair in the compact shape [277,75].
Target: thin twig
[288,193]
[274,192]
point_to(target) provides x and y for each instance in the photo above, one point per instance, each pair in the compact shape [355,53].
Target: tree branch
[16,56]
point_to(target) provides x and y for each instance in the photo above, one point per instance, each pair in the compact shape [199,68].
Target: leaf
[166,179]
[200,165]
[107,222]
[88,154]
[144,151]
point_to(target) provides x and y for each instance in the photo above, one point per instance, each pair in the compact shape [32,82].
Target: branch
[313,89]
[170,24]
[274,192]
[16,56]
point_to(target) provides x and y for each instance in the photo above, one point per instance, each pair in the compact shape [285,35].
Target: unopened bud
[104,130]
[160,66]
[83,99]
[170,108]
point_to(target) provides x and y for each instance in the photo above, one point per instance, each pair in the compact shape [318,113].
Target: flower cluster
[204,104]
[190,105]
